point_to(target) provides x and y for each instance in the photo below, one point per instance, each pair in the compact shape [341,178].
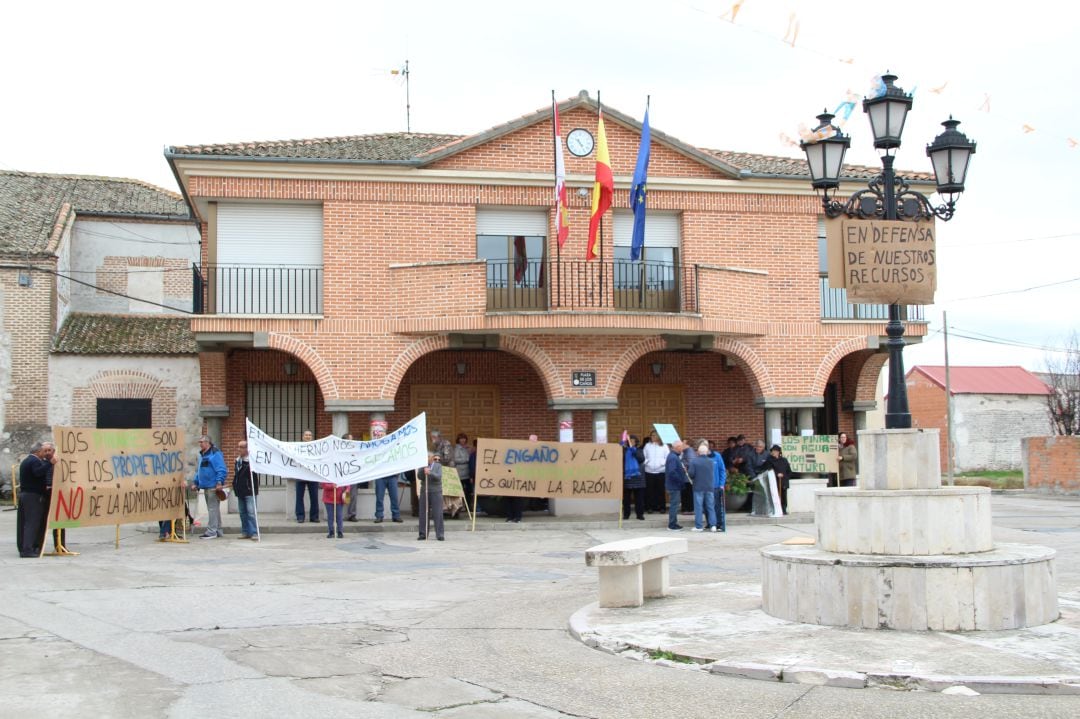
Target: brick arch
[309,357]
[756,372]
[127,384]
[825,367]
[408,356]
[866,388]
[539,360]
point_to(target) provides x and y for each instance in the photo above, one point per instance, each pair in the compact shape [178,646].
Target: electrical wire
[1008,292]
[111,292]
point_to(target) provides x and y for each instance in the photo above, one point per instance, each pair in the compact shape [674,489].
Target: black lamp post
[888,197]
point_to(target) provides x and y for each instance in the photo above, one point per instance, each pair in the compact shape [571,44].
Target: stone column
[566,426]
[860,410]
[600,428]
[772,426]
[806,420]
[339,423]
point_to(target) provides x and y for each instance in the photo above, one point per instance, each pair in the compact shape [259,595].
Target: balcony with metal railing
[257,290]
[835,306]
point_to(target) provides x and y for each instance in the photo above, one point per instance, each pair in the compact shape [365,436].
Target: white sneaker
[712,529]
[697,529]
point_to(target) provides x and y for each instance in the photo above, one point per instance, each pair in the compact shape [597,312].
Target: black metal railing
[539,285]
[257,290]
[835,306]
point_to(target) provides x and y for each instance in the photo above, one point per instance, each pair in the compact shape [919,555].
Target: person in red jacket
[333,498]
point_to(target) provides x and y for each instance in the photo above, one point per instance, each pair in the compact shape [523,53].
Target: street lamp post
[888,197]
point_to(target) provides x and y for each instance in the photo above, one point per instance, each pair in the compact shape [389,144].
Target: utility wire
[111,292]
[1008,292]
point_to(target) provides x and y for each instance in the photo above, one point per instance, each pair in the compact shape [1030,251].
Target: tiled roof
[33,204]
[984,380]
[93,334]
[386,147]
[796,166]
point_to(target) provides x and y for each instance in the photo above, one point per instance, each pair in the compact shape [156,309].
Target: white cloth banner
[340,461]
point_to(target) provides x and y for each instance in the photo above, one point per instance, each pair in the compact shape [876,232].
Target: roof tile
[99,334]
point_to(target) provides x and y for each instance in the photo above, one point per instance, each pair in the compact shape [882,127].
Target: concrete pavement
[381,625]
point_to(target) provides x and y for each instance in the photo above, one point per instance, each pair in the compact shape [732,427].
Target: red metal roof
[984,380]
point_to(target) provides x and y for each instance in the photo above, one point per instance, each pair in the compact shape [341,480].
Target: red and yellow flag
[603,188]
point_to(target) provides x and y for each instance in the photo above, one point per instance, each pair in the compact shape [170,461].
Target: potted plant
[736,492]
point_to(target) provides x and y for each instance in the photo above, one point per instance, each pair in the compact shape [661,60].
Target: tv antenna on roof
[405,72]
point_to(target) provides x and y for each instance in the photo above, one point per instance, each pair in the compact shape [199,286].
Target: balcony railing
[835,306]
[540,285]
[257,290]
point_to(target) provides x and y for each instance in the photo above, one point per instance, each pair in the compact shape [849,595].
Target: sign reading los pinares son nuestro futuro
[817,454]
[340,461]
[571,470]
[116,476]
[882,261]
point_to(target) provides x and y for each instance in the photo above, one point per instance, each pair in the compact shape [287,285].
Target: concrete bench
[632,569]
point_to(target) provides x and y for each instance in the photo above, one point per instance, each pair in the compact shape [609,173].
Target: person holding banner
[311,488]
[210,478]
[35,479]
[430,490]
[782,468]
[633,481]
[333,497]
[246,487]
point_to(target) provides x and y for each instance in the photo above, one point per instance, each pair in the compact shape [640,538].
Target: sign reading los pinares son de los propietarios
[116,476]
[882,261]
[571,470]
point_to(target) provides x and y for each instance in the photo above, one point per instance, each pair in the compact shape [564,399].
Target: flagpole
[600,237]
[558,206]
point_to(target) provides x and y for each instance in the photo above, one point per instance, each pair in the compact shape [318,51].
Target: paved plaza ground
[379,624]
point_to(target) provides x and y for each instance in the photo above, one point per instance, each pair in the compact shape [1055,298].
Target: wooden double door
[642,405]
[472,409]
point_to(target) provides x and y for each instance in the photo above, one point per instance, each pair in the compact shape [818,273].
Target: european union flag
[638,191]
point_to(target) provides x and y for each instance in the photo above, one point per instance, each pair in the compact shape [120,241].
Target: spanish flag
[603,188]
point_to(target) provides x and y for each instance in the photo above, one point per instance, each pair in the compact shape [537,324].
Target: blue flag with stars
[638,191]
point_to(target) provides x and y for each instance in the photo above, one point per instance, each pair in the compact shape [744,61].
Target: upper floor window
[514,243]
[659,257]
[267,259]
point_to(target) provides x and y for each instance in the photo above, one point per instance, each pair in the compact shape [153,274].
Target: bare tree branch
[1063,377]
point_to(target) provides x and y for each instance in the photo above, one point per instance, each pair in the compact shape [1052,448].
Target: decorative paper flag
[985,107]
[562,207]
[792,33]
[638,189]
[603,187]
[1028,129]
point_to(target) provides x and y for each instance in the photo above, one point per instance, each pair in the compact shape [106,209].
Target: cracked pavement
[301,626]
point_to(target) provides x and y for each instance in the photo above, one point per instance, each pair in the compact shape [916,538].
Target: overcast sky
[102,87]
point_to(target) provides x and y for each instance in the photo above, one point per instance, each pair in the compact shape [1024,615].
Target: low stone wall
[1051,464]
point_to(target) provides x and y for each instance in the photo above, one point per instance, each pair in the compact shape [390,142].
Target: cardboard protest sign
[520,468]
[116,476]
[666,433]
[882,261]
[451,483]
[814,454]
[340,461]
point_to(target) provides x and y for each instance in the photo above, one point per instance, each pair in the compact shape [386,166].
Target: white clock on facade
[579,142]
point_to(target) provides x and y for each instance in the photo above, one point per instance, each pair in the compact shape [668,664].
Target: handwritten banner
[340,461]
[813,454]
[572,470]
[451,483]
[881,261]
[116,476]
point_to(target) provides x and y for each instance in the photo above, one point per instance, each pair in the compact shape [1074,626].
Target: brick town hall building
[357,279]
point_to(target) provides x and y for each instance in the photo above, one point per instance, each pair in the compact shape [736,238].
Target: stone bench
[632,569]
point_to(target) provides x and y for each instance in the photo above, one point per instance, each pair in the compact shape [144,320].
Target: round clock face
[579,142]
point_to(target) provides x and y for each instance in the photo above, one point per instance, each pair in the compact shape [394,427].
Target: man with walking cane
[431,499]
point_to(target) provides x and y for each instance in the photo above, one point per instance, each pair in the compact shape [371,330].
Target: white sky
[102,87]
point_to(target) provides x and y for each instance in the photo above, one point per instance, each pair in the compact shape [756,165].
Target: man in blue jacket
[675,477]
[210,478]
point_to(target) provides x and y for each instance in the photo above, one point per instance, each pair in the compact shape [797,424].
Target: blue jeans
[246,505]
[388,485]
[674,502]
[706,498]
[312,489]
[335,512]
[721,509]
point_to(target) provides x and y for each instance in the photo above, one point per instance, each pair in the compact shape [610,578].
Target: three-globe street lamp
[888,197]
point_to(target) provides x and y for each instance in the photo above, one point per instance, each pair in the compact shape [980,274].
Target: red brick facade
[401,277]
[1052,464]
